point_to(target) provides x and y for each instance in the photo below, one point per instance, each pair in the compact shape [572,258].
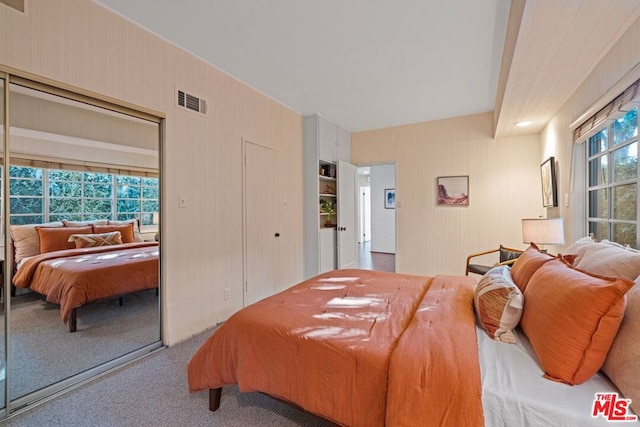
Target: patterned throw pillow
[499,303]
[92,240]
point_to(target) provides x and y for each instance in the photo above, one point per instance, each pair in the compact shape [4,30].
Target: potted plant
[327,207]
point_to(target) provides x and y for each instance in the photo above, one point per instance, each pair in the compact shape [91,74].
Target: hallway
[368,260]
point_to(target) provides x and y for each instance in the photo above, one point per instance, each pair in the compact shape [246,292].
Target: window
[612,182]
[79,196]
[26,190]
[136,198]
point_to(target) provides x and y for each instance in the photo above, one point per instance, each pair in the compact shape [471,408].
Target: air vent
[190,102]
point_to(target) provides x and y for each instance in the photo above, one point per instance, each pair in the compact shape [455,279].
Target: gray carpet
[44,352]
[153,392]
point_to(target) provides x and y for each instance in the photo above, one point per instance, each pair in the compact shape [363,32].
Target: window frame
[609,185]
[46,214]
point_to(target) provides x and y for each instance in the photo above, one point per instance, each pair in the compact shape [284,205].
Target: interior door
[347,232]
[261,231]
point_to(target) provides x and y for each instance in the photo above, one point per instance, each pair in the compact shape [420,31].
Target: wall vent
[190,102]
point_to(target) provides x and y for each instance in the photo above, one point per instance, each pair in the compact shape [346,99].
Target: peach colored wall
[82,44]
[504,187]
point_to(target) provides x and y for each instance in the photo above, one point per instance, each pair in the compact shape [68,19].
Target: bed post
[73,317]
[214,398]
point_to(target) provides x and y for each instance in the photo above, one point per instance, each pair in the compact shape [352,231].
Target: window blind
[66,164]
[615,109]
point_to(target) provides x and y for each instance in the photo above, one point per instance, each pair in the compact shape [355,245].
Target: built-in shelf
[327,190]
[325,144]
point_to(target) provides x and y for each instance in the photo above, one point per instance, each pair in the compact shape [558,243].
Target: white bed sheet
[514,392]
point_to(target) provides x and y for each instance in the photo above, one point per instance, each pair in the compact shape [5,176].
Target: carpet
[153,391]
[43,350]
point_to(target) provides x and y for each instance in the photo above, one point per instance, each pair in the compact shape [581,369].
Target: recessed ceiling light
[524,123]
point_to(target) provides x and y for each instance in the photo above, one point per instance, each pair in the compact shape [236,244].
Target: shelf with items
[326,170]
[327,194]
[325,144]
[327,213]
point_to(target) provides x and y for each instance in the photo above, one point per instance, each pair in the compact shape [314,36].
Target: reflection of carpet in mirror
[44,352]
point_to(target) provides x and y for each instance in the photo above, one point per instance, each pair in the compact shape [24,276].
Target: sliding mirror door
[3,289]
[83,220]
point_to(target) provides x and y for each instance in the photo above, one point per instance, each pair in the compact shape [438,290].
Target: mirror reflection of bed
[84,187]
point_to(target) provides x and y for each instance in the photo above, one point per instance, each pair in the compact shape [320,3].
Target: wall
[556,139]
[81,44]
[383,221]
[504,187]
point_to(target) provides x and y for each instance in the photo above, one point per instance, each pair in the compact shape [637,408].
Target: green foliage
[28,219]
[26,205]
[615,202]
[80,196]
[127,205]
[327,207]
[128,191]
[24,172]
[26,187]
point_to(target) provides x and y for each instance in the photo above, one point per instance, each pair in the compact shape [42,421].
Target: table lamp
[543,231]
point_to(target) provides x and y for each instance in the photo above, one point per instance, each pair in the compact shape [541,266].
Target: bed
[363,348]
[69,271]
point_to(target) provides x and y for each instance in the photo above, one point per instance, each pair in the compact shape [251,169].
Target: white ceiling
[369,64]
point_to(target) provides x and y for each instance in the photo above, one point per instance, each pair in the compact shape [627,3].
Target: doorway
[377,217]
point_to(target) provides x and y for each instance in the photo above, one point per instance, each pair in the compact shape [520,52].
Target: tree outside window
[81,196]
[612,166]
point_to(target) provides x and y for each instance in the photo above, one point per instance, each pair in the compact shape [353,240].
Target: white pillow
[25,239]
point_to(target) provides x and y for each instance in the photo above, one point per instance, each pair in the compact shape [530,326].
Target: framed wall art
[549,190]
[389,198]
[453,190]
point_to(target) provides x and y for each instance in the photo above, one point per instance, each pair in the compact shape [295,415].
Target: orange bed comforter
[74,277]
[359,348]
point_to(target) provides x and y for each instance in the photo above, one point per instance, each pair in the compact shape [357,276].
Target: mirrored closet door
[3,253]
[83,227]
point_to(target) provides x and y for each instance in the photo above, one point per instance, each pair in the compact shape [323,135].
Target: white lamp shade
[543,231]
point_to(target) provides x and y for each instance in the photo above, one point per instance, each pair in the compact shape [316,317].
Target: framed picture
[549,191]
[453,190]
[389,198]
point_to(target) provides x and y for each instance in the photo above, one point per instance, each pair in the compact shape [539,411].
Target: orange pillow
[527,264]
[126,230]
[571,318]
[57,239]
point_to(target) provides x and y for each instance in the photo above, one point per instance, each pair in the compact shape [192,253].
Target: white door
[260,224]
[347,233]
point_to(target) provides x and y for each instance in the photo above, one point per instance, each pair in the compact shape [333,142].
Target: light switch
[182,201]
